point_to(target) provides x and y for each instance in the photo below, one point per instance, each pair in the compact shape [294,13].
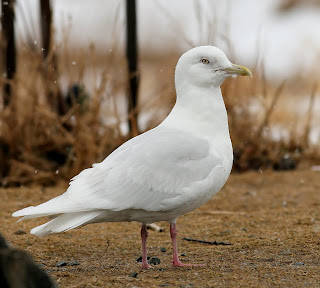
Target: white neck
[203,114]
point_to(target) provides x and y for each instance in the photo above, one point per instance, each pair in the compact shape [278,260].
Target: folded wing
[148,172]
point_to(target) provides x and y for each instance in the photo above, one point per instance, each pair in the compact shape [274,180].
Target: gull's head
[206,66]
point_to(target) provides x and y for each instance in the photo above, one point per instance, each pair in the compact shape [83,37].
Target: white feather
[65,222]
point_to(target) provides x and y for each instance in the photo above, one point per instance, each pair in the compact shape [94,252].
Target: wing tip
[22,212]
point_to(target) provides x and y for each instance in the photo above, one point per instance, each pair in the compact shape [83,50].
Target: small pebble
[73,263]
[61,264]
[19,232]
[298,263]
[162,249]
[134,274]
[154,261]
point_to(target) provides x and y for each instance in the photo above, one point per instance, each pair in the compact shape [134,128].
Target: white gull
[163,173]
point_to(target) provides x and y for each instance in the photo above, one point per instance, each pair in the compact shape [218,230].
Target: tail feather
[65,222]
[57,205]
[32,216]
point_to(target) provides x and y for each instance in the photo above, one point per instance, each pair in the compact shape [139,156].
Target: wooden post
[132,56]
[9,49]
[46,19]
[50,67]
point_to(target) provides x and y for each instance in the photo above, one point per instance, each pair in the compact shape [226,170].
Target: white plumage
[163,173]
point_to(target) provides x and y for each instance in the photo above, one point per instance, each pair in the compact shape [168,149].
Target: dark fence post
[50,67]
[46,19]
[132,55]
[9,49]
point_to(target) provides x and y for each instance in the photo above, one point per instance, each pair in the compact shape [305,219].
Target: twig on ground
[206,242]
[105,251]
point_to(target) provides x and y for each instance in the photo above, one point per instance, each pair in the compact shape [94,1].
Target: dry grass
[42,135]
[255,108]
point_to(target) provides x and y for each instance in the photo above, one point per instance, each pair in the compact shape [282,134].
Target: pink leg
[144,236]
[176,262]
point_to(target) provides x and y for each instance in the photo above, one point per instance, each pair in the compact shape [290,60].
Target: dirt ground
[271,219]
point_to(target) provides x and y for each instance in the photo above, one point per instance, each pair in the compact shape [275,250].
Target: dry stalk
[270,109]
[309,117]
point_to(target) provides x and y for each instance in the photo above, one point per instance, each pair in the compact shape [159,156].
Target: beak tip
[239,70]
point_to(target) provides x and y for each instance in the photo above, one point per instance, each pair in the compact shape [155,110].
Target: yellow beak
[238,70]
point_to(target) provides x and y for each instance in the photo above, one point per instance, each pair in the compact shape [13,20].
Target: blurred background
[75,84]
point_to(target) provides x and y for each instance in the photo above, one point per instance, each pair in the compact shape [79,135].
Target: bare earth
[271,219]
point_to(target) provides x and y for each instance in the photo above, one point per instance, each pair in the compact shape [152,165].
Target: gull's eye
[204,61]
